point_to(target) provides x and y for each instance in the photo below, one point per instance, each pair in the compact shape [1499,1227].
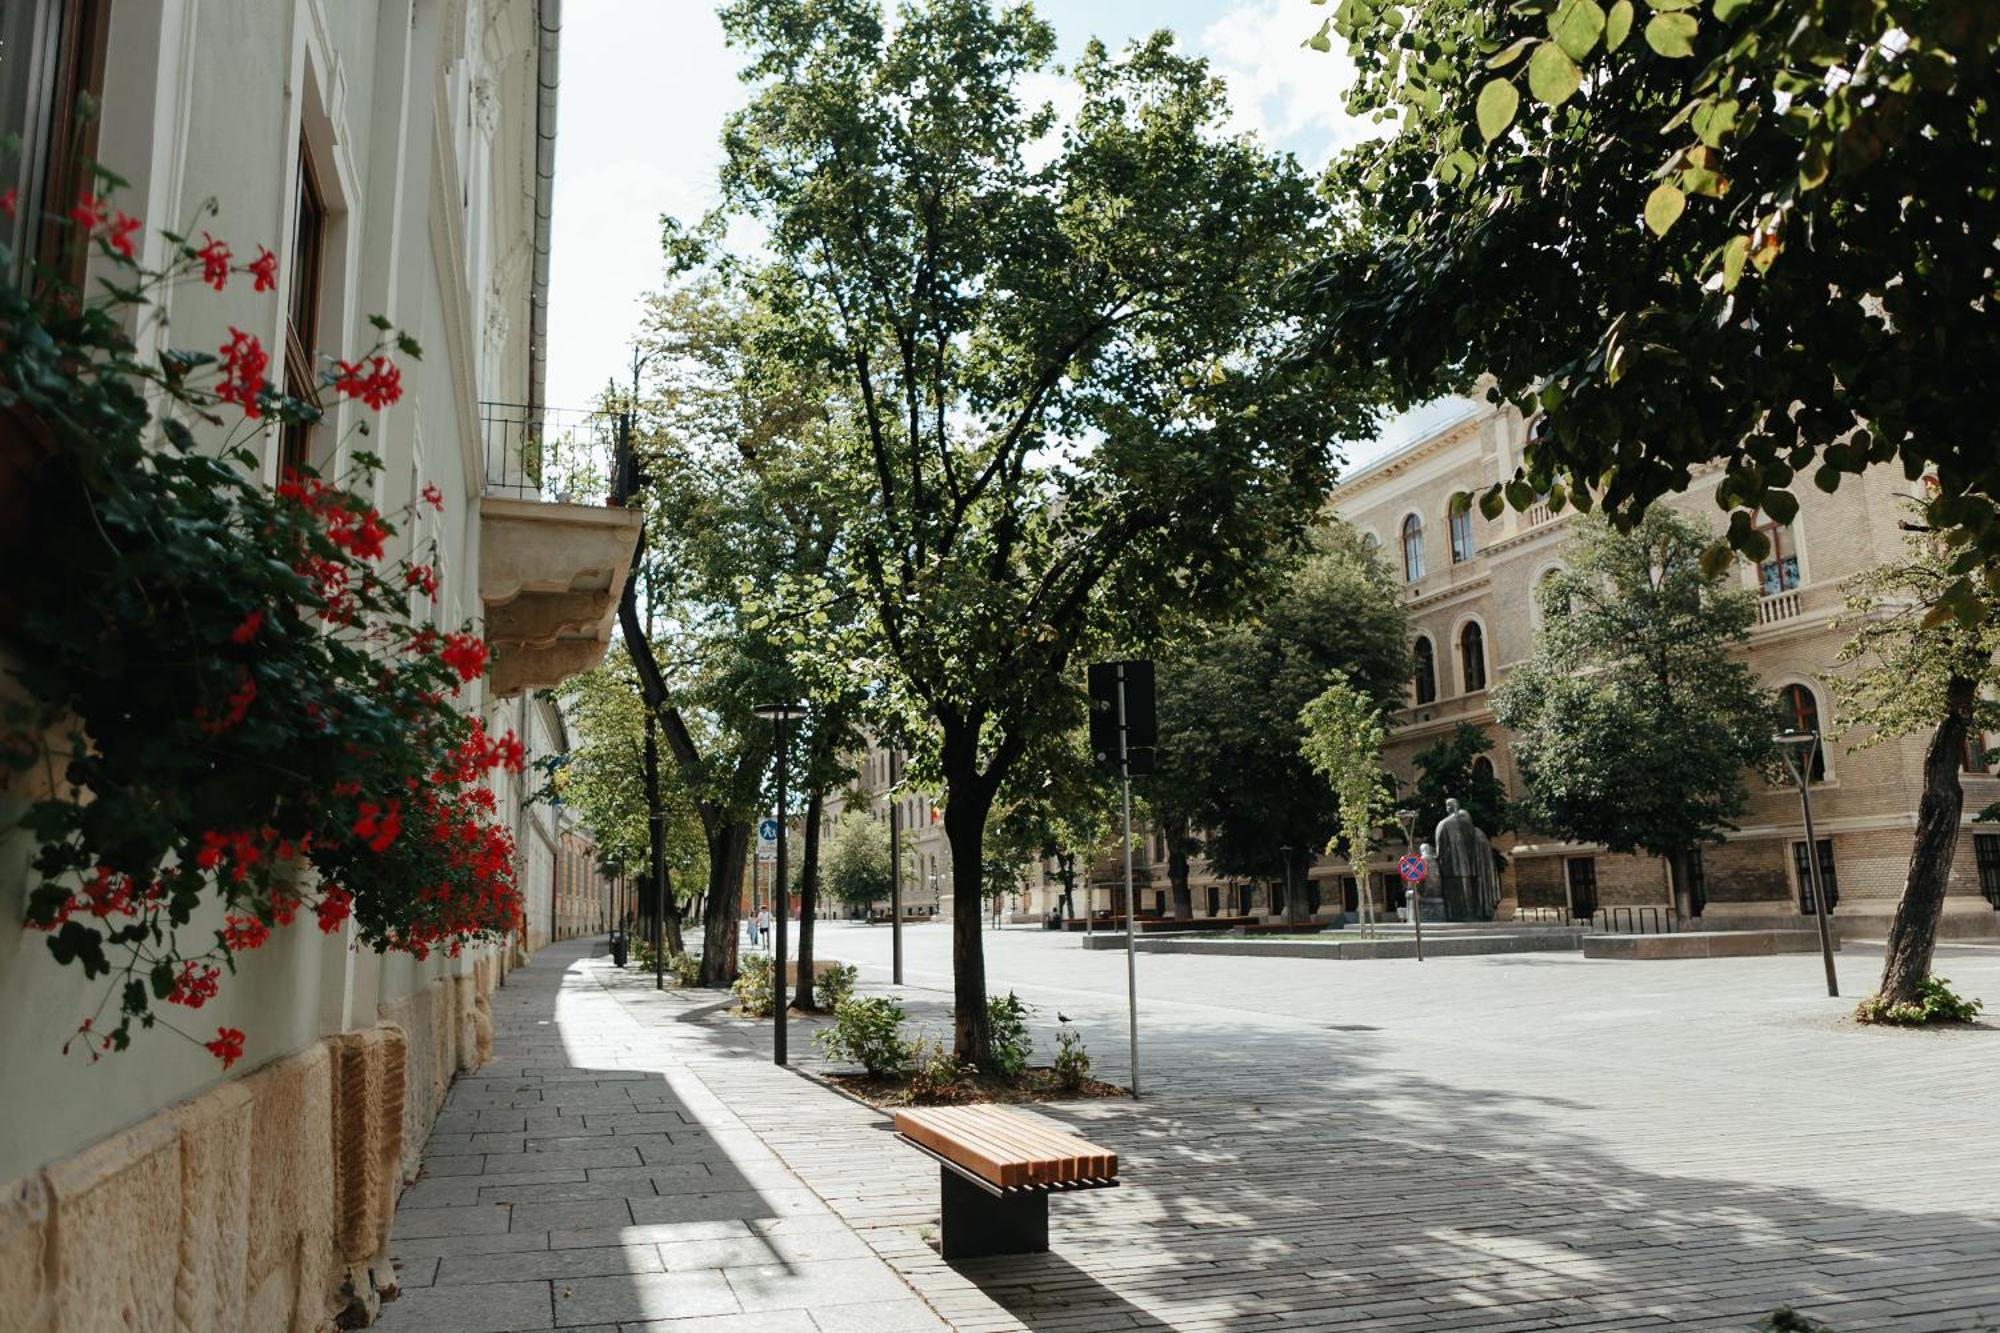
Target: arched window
[1461,536]
[1427,676]
[1482,770]
[1472,656]
[1413,549]
[1801,712]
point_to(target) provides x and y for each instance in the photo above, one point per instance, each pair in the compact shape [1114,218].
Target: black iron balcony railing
[556,455]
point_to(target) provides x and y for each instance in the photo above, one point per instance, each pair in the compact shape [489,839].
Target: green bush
[835,985]
[869,1033]
[1072,1061]
[753,986]
[1937,1003]
[935,1071]
[686,968]
[1007,1017]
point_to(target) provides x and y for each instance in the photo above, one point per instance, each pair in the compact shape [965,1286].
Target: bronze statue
[1465,867]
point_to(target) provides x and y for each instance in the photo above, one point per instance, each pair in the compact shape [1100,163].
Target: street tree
[1342,733]
[1449,768]
[1680,231]
[1061,353]
[1912,670]
[1637,717]
[855,868]
[1229,770]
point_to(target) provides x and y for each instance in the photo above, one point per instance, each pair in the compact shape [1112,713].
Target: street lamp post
[895,867]
[778,715]
[1801,749]
[1291,908]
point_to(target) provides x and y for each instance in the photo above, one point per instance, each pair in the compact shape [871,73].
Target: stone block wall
[263,1204]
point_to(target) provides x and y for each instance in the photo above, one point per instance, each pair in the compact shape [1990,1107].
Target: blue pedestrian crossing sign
[1414,869]
[768,831]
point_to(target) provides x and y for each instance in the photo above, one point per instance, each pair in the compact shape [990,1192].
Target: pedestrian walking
[764,926]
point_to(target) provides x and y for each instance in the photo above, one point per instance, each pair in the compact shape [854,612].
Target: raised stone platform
[1705,944]
[1400,945]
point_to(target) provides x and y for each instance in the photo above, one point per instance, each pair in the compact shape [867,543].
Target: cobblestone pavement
[589,1178]
[1503,1143]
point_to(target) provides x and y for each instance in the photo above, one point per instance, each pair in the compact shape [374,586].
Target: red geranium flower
[195,986]
[243,364]
[334,905]
[247,631]
[376,382]
[227,1046]
[214,259]
[433,496]
[264,269]
[464,654]
[10,202]
[244,932]
[120,238]
[89,212]
[424,577]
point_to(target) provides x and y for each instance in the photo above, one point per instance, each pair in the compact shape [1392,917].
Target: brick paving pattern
[1504,1143]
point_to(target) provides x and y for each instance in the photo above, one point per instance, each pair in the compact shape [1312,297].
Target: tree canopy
[1688,230]
[1637,717]
[1068,409]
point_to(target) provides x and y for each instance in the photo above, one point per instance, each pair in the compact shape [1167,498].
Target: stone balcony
[553,556]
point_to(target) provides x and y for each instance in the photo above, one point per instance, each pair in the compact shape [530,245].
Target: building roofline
[1449,432]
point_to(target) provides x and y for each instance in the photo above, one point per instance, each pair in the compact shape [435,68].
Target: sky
[645,85]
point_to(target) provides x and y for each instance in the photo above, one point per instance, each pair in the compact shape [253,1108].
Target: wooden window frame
[302,309]
[1986,860]
[1472,656]
[1581,871]
[1425,675]
[1806,719]
[1462,548]
[1829,877]
[1412,535]
[1777,567]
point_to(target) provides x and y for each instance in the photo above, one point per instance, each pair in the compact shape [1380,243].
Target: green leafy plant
[1936,1002]
[229,693]
[1007,1020]
[835,984]
[1072,1064]
[686,968]
[1785,1319]
[868,1032]
[936,1072]
[753,986]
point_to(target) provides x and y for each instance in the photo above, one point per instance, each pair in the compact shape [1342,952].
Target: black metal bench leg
[977,1223]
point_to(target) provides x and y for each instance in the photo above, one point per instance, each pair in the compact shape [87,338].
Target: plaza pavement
[1504,1143]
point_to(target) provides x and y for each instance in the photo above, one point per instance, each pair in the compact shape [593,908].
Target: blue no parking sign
[1414,869]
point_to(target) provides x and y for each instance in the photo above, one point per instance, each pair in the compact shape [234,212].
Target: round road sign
[1414,869]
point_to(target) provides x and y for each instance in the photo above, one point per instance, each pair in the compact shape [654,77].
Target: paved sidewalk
[590,1178]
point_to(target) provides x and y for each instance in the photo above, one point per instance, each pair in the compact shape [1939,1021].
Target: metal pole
[895,874]
[1804,774]
[1131,948]
[779,995]
[656,820]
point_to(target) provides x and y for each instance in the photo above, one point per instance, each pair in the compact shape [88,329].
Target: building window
[1483,772]
[1779,570]
[1427,676]
[1472,656]
[1582,872]
[1986,854]
[51,55]
[1312,897]
[1799,710]
[302,311]
[1803,872]
[1413,549]
[1214,901]
[1975,753]
[1461,536]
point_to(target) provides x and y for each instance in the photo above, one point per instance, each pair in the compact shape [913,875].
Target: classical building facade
[397,156]
[877,789]
[1470,587]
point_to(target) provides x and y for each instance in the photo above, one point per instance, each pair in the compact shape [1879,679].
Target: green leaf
[1726,10]
[1552,75]
[1715,560]
[1827,478]
[1319,41]
[1781,505]
[1672,35]
[1510,53]
[1618,25]
[1734,252]
[1492,504]
[1498,101]
[1664,207]
[1460,502]
[1576,25]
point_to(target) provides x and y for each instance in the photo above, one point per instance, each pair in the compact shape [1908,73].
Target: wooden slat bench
[997,1166]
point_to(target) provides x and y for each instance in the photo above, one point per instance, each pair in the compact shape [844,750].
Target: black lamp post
[778,715]
[1290,910]
[1801,750]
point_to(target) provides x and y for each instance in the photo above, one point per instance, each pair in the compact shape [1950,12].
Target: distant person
[764,926]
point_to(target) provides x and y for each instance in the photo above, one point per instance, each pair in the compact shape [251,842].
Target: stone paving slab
[588,1179]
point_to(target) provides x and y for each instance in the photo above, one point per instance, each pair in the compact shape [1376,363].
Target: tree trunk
[1678,863]
[968,797]
[727,845]
[1066,872]
[1913,931]
[808,903]
[1177,869]
[676,942]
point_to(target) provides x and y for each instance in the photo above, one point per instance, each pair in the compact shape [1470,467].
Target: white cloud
[1285,92]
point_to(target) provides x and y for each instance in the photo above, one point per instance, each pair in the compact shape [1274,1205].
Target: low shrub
[1072,1066]
[936,1075]
[834,985]
[1936,1003]
[753,986]
[686,968]
[1007,1019]
[869,1033]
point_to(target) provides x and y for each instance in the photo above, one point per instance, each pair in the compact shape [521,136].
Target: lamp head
[780,712]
